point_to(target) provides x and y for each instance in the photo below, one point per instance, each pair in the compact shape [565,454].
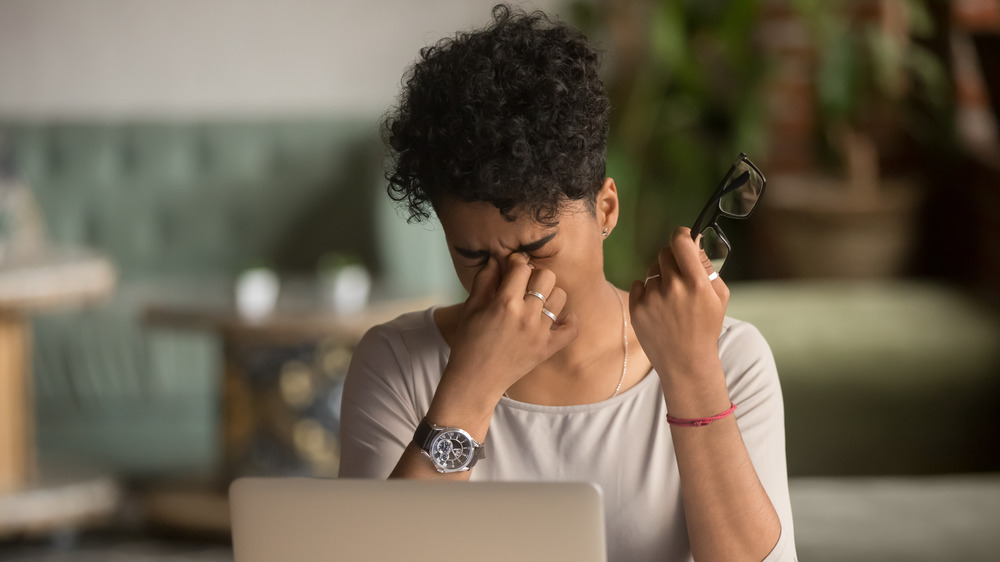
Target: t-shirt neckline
[647,380]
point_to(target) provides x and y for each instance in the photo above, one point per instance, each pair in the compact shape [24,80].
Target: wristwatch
[450,449]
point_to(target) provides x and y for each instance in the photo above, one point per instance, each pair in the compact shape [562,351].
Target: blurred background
[194,234]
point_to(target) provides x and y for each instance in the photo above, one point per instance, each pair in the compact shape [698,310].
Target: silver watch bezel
[439,432]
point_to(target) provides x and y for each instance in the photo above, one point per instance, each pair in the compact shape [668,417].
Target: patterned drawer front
[282,407]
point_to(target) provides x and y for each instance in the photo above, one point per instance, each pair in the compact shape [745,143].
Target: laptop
[305,520]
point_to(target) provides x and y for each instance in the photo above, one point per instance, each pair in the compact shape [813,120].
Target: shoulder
[746,358]
[405,330]
[405,355]
[389,386]
[742,339]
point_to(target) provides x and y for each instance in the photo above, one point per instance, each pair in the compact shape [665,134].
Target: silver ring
[713,276]
[540,296]
[546,312]
[650,277]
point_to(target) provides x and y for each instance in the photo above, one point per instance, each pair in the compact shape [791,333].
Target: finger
[720,287]
[556,302]
[541,281]
[515,281]
[485,283]
[722,290]
[713,276]
[667,263]
[687,255]
[563,332]
[705,262]
[635,294]
[652,272]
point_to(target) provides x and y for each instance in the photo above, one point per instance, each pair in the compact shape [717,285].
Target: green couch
[189,203]
[881,378]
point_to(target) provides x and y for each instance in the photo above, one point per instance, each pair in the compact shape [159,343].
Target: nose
[504,261]
[504,266]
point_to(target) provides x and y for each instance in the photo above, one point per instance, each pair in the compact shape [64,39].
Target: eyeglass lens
[742,192]
[715,248]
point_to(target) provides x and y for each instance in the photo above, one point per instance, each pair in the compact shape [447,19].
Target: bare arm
[728,512]
[678,318]
[471,410]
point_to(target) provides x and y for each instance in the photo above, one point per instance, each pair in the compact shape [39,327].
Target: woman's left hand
[677,312]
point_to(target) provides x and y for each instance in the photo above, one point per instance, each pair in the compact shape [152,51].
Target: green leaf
[838,80]
[921,24]
[667,37]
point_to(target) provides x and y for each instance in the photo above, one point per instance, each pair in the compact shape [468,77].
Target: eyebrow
[529,247]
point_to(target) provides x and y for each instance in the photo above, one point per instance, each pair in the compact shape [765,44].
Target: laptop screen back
[278,519]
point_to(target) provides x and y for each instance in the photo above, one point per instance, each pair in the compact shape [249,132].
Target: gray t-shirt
[623,444]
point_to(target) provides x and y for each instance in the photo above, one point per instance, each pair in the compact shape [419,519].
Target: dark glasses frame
[709,216]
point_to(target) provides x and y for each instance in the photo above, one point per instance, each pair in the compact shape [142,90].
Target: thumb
[705,262]
[484,284]
[563,333]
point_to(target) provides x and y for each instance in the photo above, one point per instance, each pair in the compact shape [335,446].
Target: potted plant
[256,291]
[685,86]
[344,282]
[856,216]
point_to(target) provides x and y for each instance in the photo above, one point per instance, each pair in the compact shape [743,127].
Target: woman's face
[572,248]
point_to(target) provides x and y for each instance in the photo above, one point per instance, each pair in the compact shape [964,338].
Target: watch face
[452,449]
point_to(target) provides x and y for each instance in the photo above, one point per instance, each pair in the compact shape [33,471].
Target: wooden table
[63,496]
[52,278]
[278,369]
[279,374]
[299,315]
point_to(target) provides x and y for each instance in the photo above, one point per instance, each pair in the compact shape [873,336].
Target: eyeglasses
[736,197]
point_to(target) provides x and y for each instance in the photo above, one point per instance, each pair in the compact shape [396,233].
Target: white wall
[210,57]
[215,58]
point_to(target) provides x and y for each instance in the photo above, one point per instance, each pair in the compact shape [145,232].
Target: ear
[606,207]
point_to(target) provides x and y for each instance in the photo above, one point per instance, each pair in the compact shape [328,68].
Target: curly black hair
[514,114]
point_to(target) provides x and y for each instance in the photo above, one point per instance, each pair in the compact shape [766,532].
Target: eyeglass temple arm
[737,183]
[710,208]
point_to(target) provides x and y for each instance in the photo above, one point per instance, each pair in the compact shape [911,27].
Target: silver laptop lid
[304,520]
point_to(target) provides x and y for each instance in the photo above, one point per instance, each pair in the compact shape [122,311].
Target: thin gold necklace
[624,343]
[624,339]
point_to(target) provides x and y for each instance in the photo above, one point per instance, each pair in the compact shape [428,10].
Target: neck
[589,368]
[600,324]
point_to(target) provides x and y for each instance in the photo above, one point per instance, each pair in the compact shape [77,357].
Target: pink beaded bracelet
[698,422]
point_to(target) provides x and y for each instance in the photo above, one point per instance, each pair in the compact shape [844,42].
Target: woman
[556,373]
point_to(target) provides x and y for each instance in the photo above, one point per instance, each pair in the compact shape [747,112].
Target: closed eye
[531,249]
[535,256]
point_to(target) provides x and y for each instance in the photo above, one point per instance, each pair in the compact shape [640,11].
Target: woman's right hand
[503,334]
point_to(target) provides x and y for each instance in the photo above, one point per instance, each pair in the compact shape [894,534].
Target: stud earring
[605,233]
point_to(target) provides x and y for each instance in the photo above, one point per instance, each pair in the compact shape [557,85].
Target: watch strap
[479,454]
[422,436]
[425,433]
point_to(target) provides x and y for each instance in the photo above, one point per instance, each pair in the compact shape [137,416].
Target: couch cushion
[888,377]
[209,197]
